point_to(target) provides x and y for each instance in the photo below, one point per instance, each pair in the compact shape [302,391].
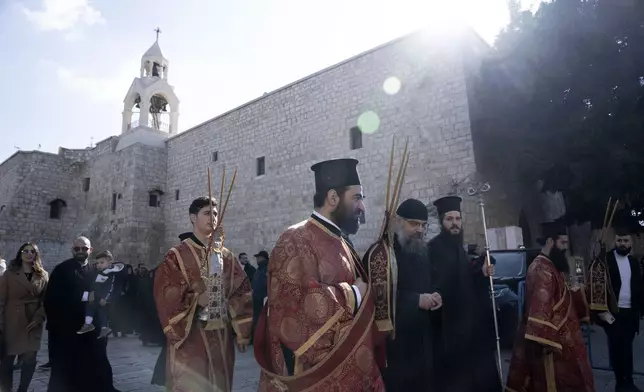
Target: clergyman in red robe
[315,333]
[204,303]
[550,353]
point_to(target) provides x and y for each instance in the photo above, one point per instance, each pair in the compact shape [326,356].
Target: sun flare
[486,17]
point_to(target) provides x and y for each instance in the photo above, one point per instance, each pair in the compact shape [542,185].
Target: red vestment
[311,317]
[201,354]
[554,314]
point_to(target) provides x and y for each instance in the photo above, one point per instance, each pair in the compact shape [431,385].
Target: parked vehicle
[509,286]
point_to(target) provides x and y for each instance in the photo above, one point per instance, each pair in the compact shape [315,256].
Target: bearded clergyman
[549,352]
[409,345]
[465,343]
[315,332]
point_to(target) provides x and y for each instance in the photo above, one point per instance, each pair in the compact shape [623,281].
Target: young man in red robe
[315,333]
[550,353]
[204,303]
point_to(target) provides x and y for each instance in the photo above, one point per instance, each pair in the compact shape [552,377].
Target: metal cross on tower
[158,31]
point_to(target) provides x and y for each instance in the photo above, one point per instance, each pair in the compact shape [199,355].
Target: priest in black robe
[464,357]
[410,346]
[79,363]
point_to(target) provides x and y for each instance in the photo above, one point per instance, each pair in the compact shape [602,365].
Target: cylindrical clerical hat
[413,209]
[335,173]
[447,204]
[553,230]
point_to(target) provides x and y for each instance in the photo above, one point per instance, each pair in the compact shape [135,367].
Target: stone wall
[146,226]
[133,231]
[44,178]
[310,120]
[436,108]
[11,173]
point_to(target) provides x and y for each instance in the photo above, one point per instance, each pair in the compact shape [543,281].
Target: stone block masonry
[113,211]
[310,121]
[134,200]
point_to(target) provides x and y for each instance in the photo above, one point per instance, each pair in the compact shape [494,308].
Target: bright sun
[486,17]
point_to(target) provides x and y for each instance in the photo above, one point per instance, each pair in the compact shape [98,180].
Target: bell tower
[151,104]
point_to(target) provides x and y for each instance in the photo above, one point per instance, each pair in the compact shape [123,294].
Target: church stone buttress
[151,108]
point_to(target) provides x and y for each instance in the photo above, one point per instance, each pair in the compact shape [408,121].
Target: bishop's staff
[474,192]
[222,332]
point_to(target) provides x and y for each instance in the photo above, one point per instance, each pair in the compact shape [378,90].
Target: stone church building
[130,193]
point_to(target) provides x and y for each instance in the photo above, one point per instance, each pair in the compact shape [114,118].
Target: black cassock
[79,363]
[409,353]
[464,355]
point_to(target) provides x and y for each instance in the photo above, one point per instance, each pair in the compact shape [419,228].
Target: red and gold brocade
[549,353]
[311,310]
[200,357]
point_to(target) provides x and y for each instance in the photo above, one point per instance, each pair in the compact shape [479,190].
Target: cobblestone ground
[133,364]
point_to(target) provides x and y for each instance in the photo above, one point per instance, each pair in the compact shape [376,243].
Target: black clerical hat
[336,173]
[413,209]
[553,230]
[262,253]
[447,204]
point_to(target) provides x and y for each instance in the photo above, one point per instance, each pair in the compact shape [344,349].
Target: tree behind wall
[564,96]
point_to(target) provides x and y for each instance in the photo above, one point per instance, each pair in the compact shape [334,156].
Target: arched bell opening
[159,113]
[135,112]
[157,69]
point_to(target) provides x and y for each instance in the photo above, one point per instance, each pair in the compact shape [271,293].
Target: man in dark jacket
[627,290]
[259,285]
[79,362]
[248,267]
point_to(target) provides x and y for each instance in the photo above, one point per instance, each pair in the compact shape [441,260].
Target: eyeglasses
[79,248]
[29,251]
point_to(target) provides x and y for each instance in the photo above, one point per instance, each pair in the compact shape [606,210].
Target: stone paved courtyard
[133,364]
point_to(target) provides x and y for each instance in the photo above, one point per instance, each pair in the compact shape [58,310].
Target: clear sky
[66,65]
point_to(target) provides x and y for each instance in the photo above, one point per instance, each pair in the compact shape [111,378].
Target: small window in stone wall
[355,138]
[261,166]
[56,208]
[154,200]
[86,184]
[176,195]
[215,156]
[154,197]
[114,196]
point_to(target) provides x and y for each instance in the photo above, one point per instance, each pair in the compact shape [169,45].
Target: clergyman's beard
[347,221]
[623,250]
[457,238]
[558,258]
[414,244]
[80,257]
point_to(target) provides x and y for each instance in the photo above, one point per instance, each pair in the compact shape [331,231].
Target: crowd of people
[108,298]
[408,316]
